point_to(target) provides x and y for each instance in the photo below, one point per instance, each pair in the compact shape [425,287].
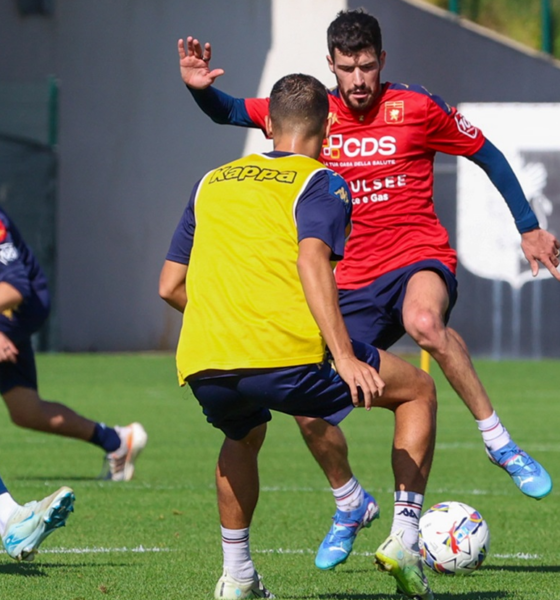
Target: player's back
[246,307]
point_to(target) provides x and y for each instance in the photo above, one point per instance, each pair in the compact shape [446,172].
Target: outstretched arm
[194,65]
[319,286]
[537,244]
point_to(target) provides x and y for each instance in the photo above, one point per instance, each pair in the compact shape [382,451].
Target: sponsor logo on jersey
[252,172]
[3,231]
[465,127]
[394,112]
[8,253]
[338,146]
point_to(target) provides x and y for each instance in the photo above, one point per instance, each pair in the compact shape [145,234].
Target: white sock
[406,515]
[350,496]
[494,434]
[237,555]
[7,507]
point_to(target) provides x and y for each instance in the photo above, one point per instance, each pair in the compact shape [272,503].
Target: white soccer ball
[454,538]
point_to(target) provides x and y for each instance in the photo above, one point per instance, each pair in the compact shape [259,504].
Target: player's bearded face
[358,77]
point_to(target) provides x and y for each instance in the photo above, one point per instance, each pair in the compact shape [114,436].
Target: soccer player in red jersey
[398,273]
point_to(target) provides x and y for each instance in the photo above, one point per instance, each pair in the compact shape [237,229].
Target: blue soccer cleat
[527,474]
[336,547]
[33,522]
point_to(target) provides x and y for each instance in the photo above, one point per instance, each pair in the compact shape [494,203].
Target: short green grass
[157,537]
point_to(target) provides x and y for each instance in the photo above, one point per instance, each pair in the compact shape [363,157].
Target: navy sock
[105,437]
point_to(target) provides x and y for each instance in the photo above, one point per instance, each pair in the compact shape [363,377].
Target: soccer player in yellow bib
[255,246]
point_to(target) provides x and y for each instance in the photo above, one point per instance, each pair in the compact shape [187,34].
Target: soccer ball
[454,538]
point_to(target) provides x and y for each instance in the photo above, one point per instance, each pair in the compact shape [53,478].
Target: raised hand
[194,64]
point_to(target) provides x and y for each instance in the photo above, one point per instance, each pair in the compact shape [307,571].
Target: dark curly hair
[353,31]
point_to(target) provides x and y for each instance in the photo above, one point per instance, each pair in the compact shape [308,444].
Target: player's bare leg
[410,394]
[355,507]
[237,483]
[425,304]
[28,410]
[237,478]
[328,446]
[122,445]
[424,308]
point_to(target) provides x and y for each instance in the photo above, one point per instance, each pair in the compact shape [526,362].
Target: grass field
[157,537]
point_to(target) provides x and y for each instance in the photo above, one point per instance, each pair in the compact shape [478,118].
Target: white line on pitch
[519,555]
[101,550]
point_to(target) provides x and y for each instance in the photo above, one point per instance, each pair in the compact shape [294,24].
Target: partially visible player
[398,273]
[23,528]
[255,244]
[24,307]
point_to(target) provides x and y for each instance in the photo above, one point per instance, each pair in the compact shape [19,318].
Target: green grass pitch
[157,537]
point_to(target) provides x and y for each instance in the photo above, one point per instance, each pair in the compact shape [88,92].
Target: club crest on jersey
[3,232]
[8,253]
[465,127]
[394,112]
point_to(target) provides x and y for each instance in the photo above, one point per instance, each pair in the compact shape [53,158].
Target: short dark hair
[353,31]
[299,101]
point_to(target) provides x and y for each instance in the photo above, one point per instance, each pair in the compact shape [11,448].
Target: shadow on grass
[439,596]
[40,570]
[65,479]
[525,568]
[22,570]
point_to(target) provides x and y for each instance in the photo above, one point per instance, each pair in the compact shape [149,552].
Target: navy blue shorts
[237,401]
[23,373]
[373,314]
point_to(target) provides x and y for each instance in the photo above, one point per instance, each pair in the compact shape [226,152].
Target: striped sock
[494,434]
[237,555]
[406,515]
[350,496]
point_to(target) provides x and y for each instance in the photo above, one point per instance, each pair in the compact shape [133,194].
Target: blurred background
[100,145]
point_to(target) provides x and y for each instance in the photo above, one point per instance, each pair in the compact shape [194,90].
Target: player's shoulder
[416,93]
[333,185]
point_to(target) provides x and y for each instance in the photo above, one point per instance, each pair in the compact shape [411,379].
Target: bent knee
[426,328]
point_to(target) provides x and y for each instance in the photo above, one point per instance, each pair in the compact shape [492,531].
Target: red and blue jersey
[386,155]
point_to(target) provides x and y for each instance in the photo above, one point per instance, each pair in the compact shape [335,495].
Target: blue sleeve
[15,273]
[323,211]
[222,108]
[13,269]
[500,173]
[182,240]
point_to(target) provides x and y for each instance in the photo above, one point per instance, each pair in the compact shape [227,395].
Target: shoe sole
[55,517]
[136,442]
[391,566]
